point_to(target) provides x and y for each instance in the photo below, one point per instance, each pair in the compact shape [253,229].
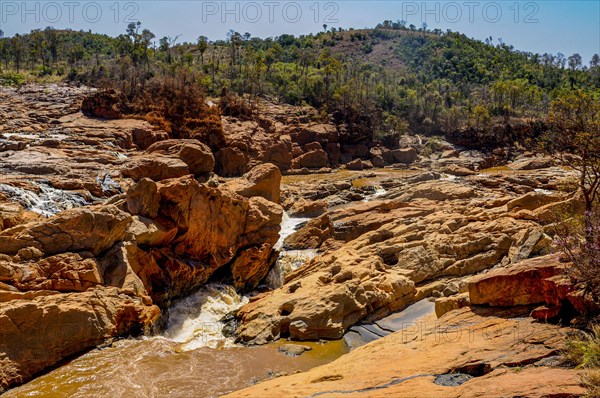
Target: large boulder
[251,266]
[314,159]
[196,155]
[231,162]
[156,168]
[310,236]
[403,155]
[533,163]
[94,229]
[38,332]
[214,223]
[521,284]
[144,138]
[307,208]
[356,164]
[324,298]
[263,180]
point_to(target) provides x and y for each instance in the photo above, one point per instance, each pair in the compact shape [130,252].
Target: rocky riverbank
[105,223]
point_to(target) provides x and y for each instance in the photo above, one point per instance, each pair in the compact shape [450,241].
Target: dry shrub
[208,130]
[233,105]
[578,238]
[173,101]
[157,120]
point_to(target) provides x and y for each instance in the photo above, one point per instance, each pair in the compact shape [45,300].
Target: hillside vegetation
[380,82]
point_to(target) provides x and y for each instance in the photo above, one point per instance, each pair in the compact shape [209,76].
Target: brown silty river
[155,368]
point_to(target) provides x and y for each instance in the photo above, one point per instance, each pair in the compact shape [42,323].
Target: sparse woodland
[388,80]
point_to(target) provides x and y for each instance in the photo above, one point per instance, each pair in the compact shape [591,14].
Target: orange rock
[156,168]
[196,155]
[263,180]
[310,236]
[314,159]
[251,266]
[93,229]
[522,284]
[39,332]
[143,138]
[323,298]
[502,356]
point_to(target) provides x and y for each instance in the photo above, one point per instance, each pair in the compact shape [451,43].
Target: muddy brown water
[154,368]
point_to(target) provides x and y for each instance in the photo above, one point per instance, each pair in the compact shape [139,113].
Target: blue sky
[537,26]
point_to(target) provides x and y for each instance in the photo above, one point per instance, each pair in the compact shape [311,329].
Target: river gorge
[137,265]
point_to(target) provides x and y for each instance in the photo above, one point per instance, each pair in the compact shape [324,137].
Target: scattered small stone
[294,350]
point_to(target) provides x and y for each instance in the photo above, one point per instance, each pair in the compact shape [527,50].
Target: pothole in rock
[462,374]
[452,379]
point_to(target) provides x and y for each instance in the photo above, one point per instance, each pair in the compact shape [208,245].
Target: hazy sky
[537,26]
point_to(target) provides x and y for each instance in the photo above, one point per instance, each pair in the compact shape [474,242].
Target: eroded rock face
[72,281]
[38,331]
[541,282]
[312,235]
[93,229]
[518,285]
[143,198]
[231,162]
[322,299]
[197,230]
[435,234]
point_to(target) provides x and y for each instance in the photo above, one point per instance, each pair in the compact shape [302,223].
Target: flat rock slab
[406,318]
[359,335]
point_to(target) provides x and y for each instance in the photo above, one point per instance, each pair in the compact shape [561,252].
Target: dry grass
[591,381]
[584,353]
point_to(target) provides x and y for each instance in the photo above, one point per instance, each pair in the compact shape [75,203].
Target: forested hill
[390,79]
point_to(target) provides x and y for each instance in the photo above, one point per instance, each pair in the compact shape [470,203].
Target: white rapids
[288,260]
[47,202]
[196,321]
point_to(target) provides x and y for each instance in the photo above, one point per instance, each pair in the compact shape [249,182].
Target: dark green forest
[390,80]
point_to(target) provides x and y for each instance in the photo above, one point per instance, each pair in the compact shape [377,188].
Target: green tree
[202,46]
